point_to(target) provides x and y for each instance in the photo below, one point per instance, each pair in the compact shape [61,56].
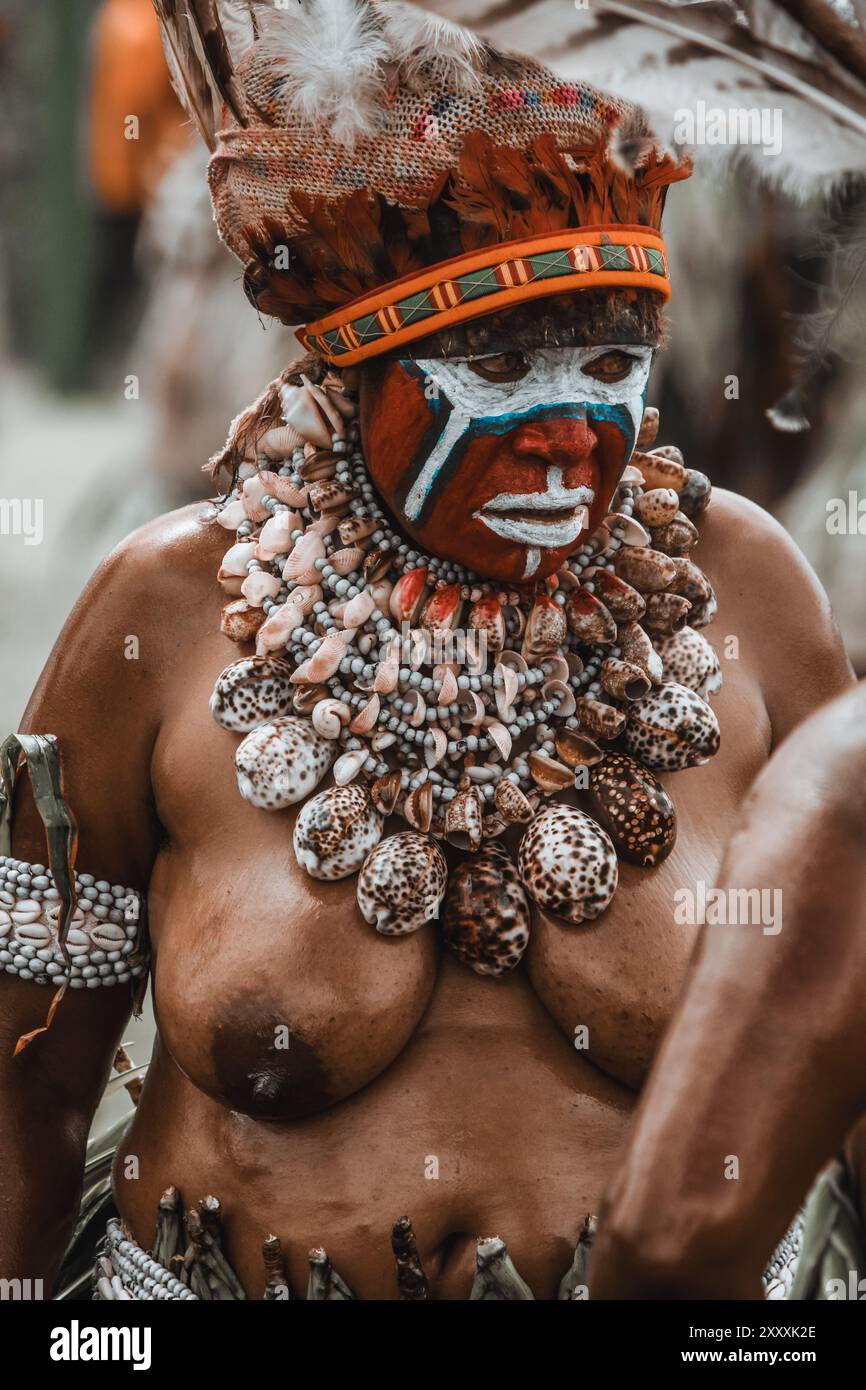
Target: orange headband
[480,282]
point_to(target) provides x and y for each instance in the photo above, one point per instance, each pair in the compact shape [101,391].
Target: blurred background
[126,343]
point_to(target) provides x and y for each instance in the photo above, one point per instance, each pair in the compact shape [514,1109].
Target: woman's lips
[549,519]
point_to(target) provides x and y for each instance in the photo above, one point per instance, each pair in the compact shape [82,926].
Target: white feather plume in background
[671,57]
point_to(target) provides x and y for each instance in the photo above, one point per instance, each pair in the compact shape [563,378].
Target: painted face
[502,463]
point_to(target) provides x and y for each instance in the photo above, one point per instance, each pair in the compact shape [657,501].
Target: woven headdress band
[480,282]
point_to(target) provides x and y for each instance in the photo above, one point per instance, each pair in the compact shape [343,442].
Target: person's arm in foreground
[763,1071]
[102,707]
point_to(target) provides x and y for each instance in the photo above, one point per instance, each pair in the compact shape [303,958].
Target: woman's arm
[99,695]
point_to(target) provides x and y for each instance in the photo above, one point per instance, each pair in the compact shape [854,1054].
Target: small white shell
[324,525]
[281,762]
[559,690]
[501,738]
[449,690]
[435,752]
[365,721]
[335,831]
[301,411]
[505,692]
[401,884]
[418,715]
[284,490]
[301,561]
[348,765]
[232,515]
[33,933]
[108,936]
[275,631]
[26,910]
[384,739]
[387,676]
[472,708]
[330,717]
[275,537]
[628,530]
[236,559]
[358,609]
[347,560]
[258,586]
[324,662]
[252,494]
[53,912]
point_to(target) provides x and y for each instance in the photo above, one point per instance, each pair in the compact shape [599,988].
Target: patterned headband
[479,283]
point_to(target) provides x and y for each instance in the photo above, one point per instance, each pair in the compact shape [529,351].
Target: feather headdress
[360,144]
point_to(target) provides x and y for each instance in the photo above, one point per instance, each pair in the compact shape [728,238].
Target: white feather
[426,46]
[329,56]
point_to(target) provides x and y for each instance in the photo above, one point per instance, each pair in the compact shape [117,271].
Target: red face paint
[506,498]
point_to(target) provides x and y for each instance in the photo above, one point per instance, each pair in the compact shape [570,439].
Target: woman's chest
[275,995]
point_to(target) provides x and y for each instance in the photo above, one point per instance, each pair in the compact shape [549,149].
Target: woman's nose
[554,441]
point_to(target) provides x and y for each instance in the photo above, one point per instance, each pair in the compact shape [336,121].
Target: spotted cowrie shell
[250,692]
[485,916]
[336,830]
[671,728]
[688,659]
[401,883]
[568,863]
[281,762]
[634,808]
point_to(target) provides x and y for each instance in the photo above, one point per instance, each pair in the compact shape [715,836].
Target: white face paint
[555,517]
[555,377]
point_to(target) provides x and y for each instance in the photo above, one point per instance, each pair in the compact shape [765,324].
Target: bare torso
[409,1085]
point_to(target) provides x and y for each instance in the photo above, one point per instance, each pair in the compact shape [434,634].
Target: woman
[475,717]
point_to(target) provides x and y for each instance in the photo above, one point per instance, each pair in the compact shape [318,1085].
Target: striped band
[470,286]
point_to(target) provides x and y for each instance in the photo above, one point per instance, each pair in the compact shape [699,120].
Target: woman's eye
[507,366]
[611,366]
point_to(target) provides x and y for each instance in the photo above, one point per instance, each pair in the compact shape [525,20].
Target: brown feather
[199,63]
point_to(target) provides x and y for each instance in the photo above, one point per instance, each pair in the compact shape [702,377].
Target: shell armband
[102,940]
[59,927]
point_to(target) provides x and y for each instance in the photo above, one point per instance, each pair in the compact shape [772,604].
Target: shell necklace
[456,703]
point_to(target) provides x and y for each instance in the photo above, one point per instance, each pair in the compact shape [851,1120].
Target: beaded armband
[101,940]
